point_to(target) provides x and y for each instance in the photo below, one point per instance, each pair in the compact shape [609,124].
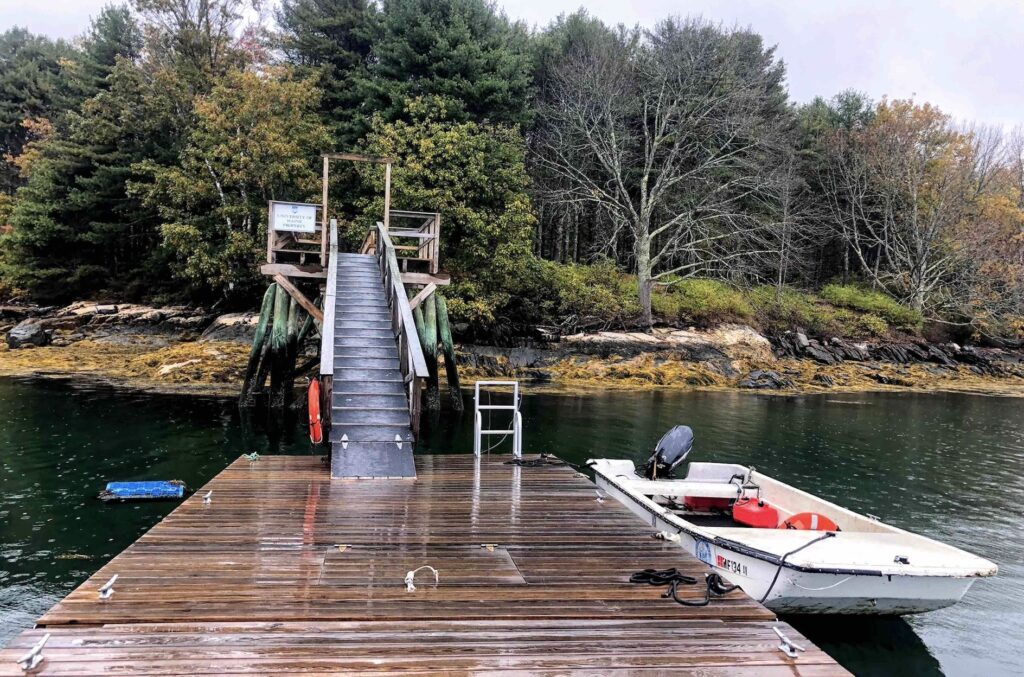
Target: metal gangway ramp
[372,360]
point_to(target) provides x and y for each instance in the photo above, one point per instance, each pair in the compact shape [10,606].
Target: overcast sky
[966,56]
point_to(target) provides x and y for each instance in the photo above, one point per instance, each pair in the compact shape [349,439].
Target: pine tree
[332,38]
[75,229]
[462,51]
[31,88]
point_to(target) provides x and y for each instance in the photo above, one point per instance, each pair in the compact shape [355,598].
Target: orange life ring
[316,434]
[809,521]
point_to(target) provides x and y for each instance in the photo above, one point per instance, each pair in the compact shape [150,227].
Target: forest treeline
[588,175]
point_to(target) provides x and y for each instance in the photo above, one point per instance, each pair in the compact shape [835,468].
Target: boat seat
[681,488]
[714,472]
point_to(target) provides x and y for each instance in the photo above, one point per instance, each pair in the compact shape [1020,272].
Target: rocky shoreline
[738,357]
[167,349]
[182,349]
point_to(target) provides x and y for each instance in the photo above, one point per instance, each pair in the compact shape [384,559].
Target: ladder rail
[516,430]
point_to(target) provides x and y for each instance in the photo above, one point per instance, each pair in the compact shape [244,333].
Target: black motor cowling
[671,451]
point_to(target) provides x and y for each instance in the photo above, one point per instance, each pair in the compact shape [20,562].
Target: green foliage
[32,86]
[461,51]
[472,174]
[879,304]
[74,226]
[596,294]
[789,309]
[703,302]
[332,40]
[256,138]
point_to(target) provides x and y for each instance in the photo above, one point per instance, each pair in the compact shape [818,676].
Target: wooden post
[387,196]
[323,215]
[258,341]
[429,342]
[279,349]
[451,369]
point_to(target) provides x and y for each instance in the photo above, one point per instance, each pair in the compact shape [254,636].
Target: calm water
[947,466]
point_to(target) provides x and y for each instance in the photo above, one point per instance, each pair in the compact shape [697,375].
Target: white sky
[965,56]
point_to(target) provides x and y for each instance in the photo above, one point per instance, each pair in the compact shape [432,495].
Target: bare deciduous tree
[667,132]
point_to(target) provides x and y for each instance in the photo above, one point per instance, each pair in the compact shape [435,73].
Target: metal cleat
[107,591]
[787,646]
[31,660]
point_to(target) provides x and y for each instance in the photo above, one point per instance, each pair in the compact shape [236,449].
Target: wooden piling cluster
[431,315]
[282,329]
[283,570]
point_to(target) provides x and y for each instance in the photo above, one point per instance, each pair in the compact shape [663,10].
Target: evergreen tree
[31,88]
[462,51]
[113,35]
[74,228]
[332,38]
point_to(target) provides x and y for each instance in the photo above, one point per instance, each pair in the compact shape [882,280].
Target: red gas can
[755,513]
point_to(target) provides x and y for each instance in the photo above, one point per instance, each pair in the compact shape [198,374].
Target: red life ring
[316,434]
[809,521]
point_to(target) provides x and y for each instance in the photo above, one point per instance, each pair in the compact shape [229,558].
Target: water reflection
[870,646]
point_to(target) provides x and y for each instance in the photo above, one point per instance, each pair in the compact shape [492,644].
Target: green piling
[450,366]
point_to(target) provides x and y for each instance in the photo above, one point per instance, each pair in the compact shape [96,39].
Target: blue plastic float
[143,491]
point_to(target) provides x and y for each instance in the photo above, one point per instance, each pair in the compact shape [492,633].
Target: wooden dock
[286,571]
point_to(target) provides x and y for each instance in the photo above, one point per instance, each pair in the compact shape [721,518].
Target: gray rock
[238,327]
[821,354]
[107,310]
[27,333]
[823,380]
[802,341]
[152,316]
[762,379]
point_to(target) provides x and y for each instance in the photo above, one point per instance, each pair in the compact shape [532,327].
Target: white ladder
[517,419]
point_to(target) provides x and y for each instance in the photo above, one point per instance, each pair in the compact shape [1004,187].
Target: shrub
[873,324]
[874,302]
[701,301]
[596,294]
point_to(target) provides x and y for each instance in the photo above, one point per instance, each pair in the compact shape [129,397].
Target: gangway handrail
[330,296]
[412,363]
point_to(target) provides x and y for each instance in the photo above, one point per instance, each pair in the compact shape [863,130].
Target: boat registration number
[731,566]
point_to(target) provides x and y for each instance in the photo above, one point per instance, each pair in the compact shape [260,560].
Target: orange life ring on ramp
[316,433]
[809,521]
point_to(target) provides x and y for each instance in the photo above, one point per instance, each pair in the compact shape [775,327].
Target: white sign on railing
[293,217]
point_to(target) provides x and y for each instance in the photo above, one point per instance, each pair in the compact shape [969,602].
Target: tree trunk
[643,276]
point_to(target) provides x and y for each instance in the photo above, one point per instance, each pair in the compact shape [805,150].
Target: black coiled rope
[714,585]
[542,460]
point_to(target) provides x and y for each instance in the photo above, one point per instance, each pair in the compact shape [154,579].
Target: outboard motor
[672,450]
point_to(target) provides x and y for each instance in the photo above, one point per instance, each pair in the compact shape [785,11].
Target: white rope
[411,576]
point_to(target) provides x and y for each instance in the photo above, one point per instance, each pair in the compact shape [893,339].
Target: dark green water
[948,466]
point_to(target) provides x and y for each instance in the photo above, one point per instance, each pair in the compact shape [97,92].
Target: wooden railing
[330,296]
[410,353]
[417,244]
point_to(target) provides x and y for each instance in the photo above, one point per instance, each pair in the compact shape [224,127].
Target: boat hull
[787,590]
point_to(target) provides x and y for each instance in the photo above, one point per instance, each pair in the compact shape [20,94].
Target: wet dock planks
[285,570]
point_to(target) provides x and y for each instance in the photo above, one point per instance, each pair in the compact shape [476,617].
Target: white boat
[829,561]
